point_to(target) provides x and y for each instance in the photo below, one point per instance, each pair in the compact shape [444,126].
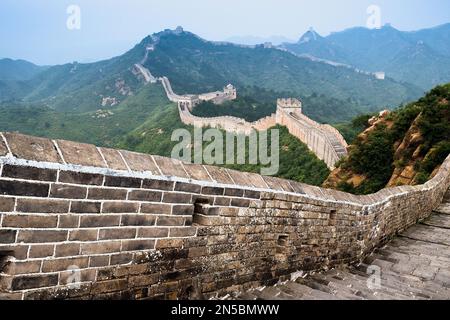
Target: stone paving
[414,265]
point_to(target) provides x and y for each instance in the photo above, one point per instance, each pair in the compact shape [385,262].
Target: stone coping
[25,150]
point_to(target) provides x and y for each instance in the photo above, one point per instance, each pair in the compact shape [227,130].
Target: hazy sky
[36,30]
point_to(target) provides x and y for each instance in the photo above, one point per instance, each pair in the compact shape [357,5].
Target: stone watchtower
[230,92]
[290,103]
[287,106]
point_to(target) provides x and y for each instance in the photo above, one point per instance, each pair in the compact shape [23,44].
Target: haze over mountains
[195,65]
[420,57]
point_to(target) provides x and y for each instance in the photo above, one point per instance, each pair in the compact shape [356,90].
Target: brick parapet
[138,226]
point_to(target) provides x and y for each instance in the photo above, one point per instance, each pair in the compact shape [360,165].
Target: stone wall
[227,123]
[79,221]
[327,144]
[323,140]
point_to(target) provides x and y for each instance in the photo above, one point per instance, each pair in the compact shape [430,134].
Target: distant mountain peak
[310,35]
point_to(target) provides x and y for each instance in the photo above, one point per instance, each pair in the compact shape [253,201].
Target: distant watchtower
[230,92]
[290,103]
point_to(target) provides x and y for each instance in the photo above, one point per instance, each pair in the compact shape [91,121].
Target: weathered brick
[137,245]
[124,182]
[67,249]
[23,267]
[198,252]
[120,207]
[187,187]
[85,275]
[143,280]
[30,221]
[153,232]
[98,261]
[140,162]
[80,178]
[145,195]
[170,167]
[170,221]
[240,202]
[117,233]
[156,208]
[18,251]
[64,263]
[213,191]
[34,281]
[100,247]
[99,221]
[41,236]
[137,220]
[222,201]
[113,159]
[174,197]
[107,194]
[41,250]
[252,194]
[83,235]
[42,206]
[22,188]
[219,174]
[120,258]
[85,207]
[67,192]
[80,153]
[68,221]
[169,243]
[29,173]
[182,232]
[32,148]
[158,184]
[6,204]
[183,210]
[234,192]
[7,236]
[108,286]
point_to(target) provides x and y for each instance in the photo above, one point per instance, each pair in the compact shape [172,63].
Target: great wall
[325,141]
[85,222]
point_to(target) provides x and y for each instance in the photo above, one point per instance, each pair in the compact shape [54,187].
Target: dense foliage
[376,154]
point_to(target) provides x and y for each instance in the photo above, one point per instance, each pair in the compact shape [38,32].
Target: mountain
[421,58]
[18,70]
[405,147]
[194,64]
[253,40]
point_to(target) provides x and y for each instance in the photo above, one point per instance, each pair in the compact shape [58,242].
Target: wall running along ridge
[323,140]
[139,226]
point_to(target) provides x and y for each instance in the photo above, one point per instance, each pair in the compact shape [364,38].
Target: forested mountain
[421,57]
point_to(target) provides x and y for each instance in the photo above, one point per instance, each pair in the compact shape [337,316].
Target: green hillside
[403,148]
[144,123]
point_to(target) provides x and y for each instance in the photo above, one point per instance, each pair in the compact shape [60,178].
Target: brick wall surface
[77,221]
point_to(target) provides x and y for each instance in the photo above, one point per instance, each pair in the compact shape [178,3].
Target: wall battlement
[79,221]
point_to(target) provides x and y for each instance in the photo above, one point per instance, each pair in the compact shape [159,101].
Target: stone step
[438,220]
[443,208]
